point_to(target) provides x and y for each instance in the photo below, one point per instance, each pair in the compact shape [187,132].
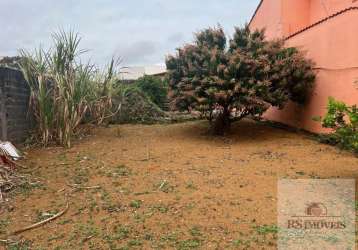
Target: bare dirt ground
[166,187]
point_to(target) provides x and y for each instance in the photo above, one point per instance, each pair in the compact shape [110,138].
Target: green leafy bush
[343,119]
[155,88]
[237,78]
[135,106]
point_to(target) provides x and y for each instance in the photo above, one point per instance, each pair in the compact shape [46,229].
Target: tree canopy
[233,78]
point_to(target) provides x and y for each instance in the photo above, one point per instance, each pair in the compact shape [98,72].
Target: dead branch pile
[9,179]
[136,107]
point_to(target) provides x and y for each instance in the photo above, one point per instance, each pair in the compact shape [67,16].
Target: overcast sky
[142,32]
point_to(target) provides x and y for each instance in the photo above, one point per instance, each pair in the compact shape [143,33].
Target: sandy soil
[167,187]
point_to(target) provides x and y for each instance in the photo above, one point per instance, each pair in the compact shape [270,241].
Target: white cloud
[141,31]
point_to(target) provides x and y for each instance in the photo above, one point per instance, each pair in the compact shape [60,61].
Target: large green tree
[230,79]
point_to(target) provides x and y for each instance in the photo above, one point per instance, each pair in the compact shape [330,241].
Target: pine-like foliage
[243,76]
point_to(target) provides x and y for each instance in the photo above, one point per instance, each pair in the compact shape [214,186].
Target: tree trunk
[221,124]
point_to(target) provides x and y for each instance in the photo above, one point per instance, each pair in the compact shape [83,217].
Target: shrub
[155,88]
[136,106]
[242,77]
[63,90]
[343,119]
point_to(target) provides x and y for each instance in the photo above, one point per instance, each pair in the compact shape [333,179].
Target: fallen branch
[87,239]
[41,222]
[75,186]
[162,184]
[9,179]
[94,187]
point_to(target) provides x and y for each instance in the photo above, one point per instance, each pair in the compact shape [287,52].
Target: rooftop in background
[10,61]
[133,73]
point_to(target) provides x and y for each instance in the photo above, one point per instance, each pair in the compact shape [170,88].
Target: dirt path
[168,187]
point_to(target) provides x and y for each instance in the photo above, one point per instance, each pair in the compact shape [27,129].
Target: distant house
[11,62]
[328,31]
[134,73]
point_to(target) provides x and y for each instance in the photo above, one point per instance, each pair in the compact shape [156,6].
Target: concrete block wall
[15,119]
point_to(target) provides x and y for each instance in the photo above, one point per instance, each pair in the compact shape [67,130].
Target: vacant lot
[166,187]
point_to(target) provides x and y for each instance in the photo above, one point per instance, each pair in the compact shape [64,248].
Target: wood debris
[9,179]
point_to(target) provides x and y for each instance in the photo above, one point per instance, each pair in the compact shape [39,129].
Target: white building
[133,73]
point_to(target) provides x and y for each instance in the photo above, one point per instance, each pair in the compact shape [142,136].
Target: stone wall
[14,110]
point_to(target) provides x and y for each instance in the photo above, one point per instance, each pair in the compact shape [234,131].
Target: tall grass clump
[65,91]
[105,88]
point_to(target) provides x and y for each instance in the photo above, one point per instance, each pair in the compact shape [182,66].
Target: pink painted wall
[333,45]
[269,17]
[295,20]
[323,8]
